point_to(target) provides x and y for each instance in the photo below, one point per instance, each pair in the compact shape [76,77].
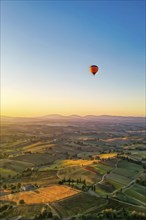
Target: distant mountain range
[75,118]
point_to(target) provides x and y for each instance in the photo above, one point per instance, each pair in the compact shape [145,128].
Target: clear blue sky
[48,46]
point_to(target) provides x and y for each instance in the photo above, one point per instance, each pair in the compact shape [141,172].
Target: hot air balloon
[94,69]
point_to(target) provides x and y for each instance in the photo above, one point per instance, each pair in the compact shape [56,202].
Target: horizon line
[71,115]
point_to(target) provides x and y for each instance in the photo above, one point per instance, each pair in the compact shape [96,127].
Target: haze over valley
[49,165]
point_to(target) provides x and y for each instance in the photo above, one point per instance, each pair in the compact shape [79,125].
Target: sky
[47,48]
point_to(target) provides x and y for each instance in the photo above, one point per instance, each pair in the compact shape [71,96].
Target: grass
[54,166]
[106,156]
[38,147]
[100,191]
[27,211]
[128,169]
[118,178]
[85,155]
[78,204]
[36,158]
[112,162]
[129,166]
[106,187]
[137,192]
[136,154]
[79,162]
[76,172]
[114,183]
[42,178]
[126,198]
[14,165]
[102,169]
[119,205]
[6,172]
[140,189]
[59,164]
[41,195]
[126,172]
[132,193]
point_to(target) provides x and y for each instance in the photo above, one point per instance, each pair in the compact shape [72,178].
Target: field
[117,205]
[14,165]
[36,158]
[42,195]
[7,173]
[110,162]
[128,169]
[106,156]
[78,204]
[27,211]
[76,166]
[76,172]
[102,169]
[137,193]
[118,178]
[42,178]
[79,162]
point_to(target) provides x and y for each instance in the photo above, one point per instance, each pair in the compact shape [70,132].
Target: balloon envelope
[94,69]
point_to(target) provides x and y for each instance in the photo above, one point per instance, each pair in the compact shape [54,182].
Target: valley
[58,167]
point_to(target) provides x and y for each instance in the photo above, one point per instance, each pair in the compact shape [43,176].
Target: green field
[112,162]
[6,172]
[118,178]
[115,204]
[76,172]
[128,199]
[85,155]
[140,198]
[36,158]
[115,184]
[27,211]
[102,169]
[129,166]
[78,204]
[140,189]
[100,191]
[137,192]
[128,169]
[14,165]
[104,188]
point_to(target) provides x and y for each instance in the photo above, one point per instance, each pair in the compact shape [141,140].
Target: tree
[18,185]
[21,202]
[84,182]
[4,186]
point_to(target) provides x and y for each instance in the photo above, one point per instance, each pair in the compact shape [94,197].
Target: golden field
[42,195]
[106,156]
[77,162]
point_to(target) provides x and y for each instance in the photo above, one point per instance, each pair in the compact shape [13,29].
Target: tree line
[76,182]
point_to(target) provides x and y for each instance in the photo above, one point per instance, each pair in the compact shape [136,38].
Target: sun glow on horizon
[45,70]
[21,110]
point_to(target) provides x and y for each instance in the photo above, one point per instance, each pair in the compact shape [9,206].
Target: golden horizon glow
[21,110]
[45,70]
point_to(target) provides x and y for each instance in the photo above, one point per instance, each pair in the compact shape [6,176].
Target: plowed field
[42,195]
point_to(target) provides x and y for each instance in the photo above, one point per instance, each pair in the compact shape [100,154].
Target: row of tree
[76,182]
